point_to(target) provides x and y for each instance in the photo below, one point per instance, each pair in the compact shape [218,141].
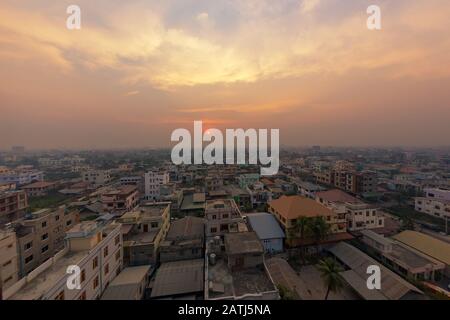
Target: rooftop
[293,207]
[337,195]
[186,228]
[39,184]
[243,243]
[124,286]
[265,225]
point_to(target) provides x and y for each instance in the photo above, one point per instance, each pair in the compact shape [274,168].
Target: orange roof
[293,207]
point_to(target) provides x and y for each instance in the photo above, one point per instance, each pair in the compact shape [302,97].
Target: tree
[330,270]
[301,226]
[319,229]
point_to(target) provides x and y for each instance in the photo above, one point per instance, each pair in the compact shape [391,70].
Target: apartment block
[12,205]
[120,200]
[143,230]
[96,178]
[153,181]
[9,264]
[21,176]
[94,247]
[436,202]
[38,189]
[351,181]
[222,216]
[41,234]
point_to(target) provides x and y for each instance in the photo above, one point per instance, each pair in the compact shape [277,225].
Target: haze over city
[139,69]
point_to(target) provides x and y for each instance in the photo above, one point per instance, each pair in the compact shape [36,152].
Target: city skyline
[138,70]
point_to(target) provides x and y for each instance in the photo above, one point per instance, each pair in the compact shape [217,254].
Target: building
[359,215]
[153,182]
[436,203]
[247,179]
[21,176]
[268,231]
[184,240]
[38,189]
[192,203]
[355,264]
[130,284]
[222,216]
[12,205]
[120,200]
[9,263]
[308,189]
[213,183]
[179,280]
[259,195]
[143,230]
[94,247]
[431,247]
[288,209]
[96,178]
[41,234]
[235,269]
[357,182]
[403,260]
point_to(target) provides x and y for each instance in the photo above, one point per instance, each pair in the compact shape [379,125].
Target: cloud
[308,6]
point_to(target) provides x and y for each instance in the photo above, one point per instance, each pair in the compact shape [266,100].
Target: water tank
[212,259]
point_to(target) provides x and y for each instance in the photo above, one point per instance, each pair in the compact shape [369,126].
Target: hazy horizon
[139,69]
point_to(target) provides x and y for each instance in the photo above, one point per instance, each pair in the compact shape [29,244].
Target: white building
[433,206]
[21,177]
[92,246]
[97,178]
[153,182]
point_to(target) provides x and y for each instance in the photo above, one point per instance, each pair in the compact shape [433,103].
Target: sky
[139,69]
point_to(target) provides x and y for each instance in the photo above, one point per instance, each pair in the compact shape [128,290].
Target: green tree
[319,229]
[330,270]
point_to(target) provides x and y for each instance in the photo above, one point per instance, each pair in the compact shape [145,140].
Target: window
[28,259]
[95,284]
[44,249]
[28,245]
[44,224]
[69,222]
[155,224]
[56,218]
[105,251]
[7,263]
[214,217]
[213,230]
[117,255]
[95,263]
[45,236]
[107,269]
[117,240]
[60,296]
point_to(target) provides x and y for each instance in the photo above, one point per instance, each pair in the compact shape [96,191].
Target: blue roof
[265,225]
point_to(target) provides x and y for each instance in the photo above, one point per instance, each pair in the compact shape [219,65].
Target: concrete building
[120,200]
[235,269]
[405,261]
[9,263]
[359,215]
[184,240]
[248,179]
[94,247]
[308,189]
[222,216]
[21,176]
[12,205]
[364,182]
[259,195]
[268,231]
[143,230]
[153,182]
[288,209]
[38,189]
[436,202]
[96,178]
[41,234]
[130,284]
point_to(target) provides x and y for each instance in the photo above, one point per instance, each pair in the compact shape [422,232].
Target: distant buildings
[245,180]
[96,178]
[436,203]
[12,205]
[38,189]
[21,176]
[92,246]
[153,182]
[364,182]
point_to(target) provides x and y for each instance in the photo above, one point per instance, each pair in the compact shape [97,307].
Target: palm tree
[301,226]
[319,229]
[330,270]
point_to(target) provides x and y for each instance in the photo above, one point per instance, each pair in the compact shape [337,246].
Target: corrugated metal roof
[265,225]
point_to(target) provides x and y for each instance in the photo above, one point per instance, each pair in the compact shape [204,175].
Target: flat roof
[337,195]
[265,225]
[426,244]
[179,277]
[243,243]
[124,286]
[187,227]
